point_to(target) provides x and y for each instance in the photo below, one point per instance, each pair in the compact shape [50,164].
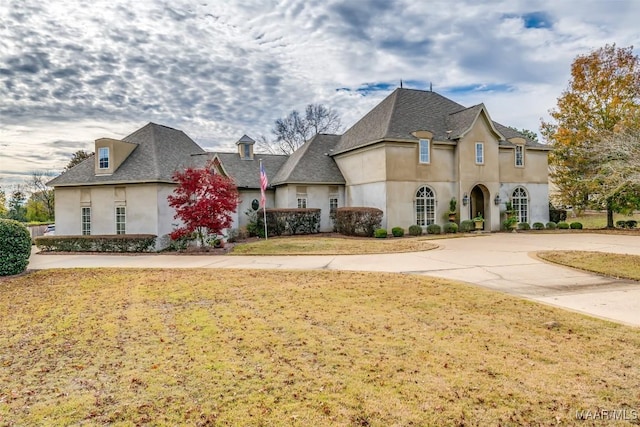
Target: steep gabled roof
[246,173]
[312,163]
[160,152]
[409,110]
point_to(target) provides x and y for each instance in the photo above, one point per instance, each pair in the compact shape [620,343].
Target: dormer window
[103,158]
[245,147]
[247,151]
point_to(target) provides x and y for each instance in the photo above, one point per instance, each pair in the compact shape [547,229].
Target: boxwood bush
[434,229]
[552,225]
[415,230]
[576,225]
[632,223]
[97,243]
[380,233]
[563,225]
[15,247]
[397,231]
[466,226]
[524,226]
[450,227]
[538,226]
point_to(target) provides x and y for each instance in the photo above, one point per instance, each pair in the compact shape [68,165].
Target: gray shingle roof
[408,110]
[246,173]
[311,163]
[160,152]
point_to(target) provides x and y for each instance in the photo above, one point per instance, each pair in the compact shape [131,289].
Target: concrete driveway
[503,262]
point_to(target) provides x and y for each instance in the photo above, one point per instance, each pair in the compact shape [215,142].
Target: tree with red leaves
[204,202]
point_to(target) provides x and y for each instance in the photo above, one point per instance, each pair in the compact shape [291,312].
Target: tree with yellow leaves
[601,102]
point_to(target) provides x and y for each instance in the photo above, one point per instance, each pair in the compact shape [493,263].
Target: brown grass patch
[608,264]
[232,347]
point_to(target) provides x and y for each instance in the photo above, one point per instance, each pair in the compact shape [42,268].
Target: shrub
[557,215]
[15,247]
[576,225]
[97,243]
[563,225]
[621,223]
[434,229]
[466,226]
[450,227]
[380,233]
[552,225]
[632,223]
[538,226]
[524,226]
[354,221]
[397,231]
[288,221]
[415,230]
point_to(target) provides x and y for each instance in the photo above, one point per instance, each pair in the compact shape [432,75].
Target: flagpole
[263,188]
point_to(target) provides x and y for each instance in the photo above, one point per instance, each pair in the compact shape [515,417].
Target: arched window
[425,206]
[520,201]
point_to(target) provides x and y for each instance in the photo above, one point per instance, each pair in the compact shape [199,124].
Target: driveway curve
[501,261]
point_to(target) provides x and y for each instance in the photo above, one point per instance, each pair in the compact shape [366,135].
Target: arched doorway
[479,194]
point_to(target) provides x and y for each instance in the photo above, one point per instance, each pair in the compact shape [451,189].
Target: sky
[73,71]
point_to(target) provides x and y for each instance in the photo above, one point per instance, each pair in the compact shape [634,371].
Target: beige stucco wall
[535,168]
[317,197]
[364,165]
[403,162]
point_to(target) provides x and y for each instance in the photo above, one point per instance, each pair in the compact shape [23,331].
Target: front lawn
[233,347]
[608,264]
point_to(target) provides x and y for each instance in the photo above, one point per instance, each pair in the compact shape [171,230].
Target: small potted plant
[478,220]
[452,209]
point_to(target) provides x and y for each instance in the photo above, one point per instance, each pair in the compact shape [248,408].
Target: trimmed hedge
[467,225]
[434,229]
[551,225]
[524,226]
[98,243]
[563,225]
[576,225]
[380,233]
[415,230]
[450,227]
[557,215]
[289,221]
[397,231]
[354,221]
[538,226]
[15,247]
[632,223]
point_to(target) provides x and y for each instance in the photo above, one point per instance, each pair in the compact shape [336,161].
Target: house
[409,156]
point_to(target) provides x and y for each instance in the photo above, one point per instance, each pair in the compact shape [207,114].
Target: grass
[204,347]
[597,220]
[317,245]
[608,264]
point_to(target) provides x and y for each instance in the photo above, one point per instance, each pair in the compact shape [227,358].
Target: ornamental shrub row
[288,221]
[632,223]
[357,221]
[97,243]
[15,247]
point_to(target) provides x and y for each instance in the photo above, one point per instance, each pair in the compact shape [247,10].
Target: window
[121,220]
[479,153]
[425,206]
[301,196]
[103,157]
[520,155]
[247,151]
[425,145]
[520,201]
[333,199]
[86,221]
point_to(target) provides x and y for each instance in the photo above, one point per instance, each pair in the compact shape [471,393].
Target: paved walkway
[501,261]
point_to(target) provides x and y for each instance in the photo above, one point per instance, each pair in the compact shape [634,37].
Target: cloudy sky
[72,71]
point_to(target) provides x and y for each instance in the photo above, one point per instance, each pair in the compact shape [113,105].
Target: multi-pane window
[479,153]
[103,157]
[86,220]
[519,155]
[121,220]
[333,198]
[247,151]
[301,196]
[425,206]
[425,154]
[520,202]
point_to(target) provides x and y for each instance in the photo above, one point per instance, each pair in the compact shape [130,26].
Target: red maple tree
[203,201]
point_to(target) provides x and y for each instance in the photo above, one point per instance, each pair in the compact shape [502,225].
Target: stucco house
[409,156]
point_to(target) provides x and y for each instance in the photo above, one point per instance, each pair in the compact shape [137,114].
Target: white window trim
[427,220]
[515,159]
[82,223]
[426,142]
[100,158]
[124,223]
[302,201]
[481,145]
[518,205]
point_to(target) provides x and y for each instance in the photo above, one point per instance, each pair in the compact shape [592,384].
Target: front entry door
[477,203]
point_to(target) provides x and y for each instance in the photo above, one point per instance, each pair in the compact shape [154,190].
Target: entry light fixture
[465,199]
[497,199]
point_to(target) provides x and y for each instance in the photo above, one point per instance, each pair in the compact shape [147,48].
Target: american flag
[264,182]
